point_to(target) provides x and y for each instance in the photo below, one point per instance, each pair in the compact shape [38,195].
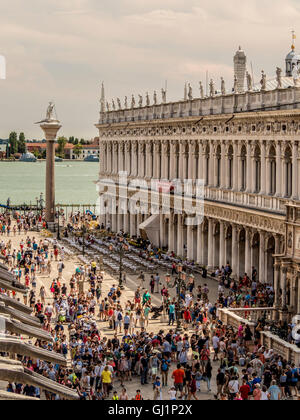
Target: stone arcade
[245,145]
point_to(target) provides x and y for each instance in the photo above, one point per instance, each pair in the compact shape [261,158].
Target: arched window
[272,169]
[243,173]
[218,174]
[230,167]
[257,170]
[288,172]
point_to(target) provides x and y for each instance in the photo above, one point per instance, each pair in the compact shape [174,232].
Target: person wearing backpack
[165,364]
[118,321]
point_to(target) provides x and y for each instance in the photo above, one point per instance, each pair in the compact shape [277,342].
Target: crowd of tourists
[108,342]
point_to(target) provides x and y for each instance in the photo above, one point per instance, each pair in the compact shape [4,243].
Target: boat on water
[27,157]
[91,158]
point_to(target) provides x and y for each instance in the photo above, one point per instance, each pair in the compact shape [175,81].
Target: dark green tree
[13,143]
[21,143]
[62,141]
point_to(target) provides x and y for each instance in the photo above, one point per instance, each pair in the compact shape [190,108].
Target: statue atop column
[279,77]
[190,92]
[211,88]
[223,89]
[163,95]
[50,112]
[155,98]
[249,81]
[201,90]
[263,81]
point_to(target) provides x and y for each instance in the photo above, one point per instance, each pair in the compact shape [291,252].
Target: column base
[52,226]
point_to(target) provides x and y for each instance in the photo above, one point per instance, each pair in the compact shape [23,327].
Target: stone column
[295,171]
[190,243]
[249,168]
[156,157]
[262,251]
[298,299]
[277,285]
[210,243]
[283,287]
[181,160]
[127,158]
[126,223]
[191,162]
[148,159]
[248,267]
[223,166]
[179,235]
[165,160]
[109,152]
[199,244]
[278,170]
[234,250]
[222,245]
[263,169]
[120,155]
[134,147]
[132,224]
[141,157]
[201,162]
[171,247]
[212,158]
[102,155]
[50,129]
[235,167]
[173,160]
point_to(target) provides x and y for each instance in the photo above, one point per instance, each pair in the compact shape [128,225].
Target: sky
[61,51]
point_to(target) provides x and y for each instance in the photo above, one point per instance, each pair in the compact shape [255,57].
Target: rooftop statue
[295,74]
[147,99]
[155,98]
[201,90]
[263,81]
[113,105]
[119,104]
[249,81]
[164,96]
[223,89]
[279,77]
[211,88]
[107,107]
[132,101]
[126,103]
[140,101]
[190,92]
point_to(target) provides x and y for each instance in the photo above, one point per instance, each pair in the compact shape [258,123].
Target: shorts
[126,326]
[154,370]
[179,387]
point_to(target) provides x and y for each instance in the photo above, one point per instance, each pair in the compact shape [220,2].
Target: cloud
[63,49]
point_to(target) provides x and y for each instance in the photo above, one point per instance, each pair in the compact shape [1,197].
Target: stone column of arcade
[50,127]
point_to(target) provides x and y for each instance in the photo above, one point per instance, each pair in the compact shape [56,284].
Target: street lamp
[179,283]
[58,227]
[167,278]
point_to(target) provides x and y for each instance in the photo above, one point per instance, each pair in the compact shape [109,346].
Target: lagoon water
[23,182]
